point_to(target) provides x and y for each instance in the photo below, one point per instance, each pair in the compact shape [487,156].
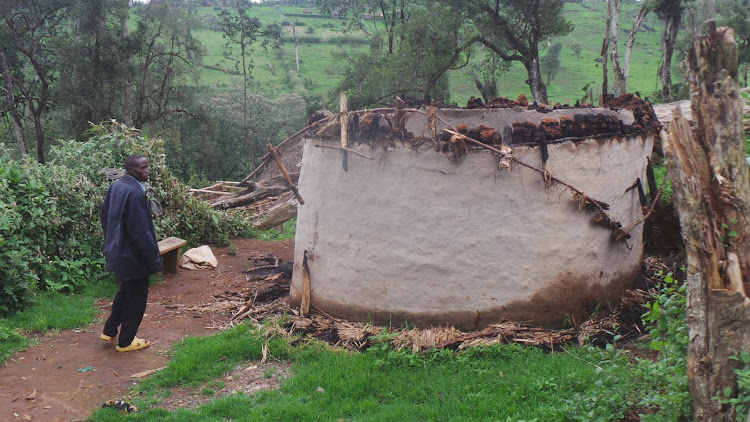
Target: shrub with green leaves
[50,234]
[666,322]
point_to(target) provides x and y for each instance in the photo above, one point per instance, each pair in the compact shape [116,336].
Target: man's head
[137,166]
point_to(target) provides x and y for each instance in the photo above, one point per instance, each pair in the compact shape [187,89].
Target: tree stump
[709,174]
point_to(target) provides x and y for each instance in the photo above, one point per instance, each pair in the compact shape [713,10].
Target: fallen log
[283,210]
[227,202]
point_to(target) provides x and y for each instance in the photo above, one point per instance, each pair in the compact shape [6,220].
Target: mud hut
[468,217]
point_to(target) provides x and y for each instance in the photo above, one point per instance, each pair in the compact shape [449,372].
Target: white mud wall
[416,236]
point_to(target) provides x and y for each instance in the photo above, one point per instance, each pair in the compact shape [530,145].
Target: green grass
[51,311]
[290,228]
[499,382]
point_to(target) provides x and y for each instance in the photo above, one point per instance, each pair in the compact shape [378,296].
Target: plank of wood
[170,244]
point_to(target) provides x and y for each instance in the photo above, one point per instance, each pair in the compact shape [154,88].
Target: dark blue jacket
[129,236]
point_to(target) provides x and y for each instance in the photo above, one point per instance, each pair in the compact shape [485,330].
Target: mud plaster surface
[415,235]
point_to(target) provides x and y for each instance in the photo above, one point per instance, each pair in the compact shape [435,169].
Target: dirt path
[45,382]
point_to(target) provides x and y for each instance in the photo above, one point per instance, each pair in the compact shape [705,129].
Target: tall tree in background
[513,29]
[605,47]
[9,62]
[620,69]
[551,62]
[29,26]
[486,72]
[163,61]
[362,12]
[697,13]
[242,30]
[736,13]
[96,66]
[427,46]
[669,11]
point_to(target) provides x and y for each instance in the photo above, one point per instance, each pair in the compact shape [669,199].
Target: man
[131,252]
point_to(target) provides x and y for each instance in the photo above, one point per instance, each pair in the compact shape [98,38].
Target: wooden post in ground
[709,174]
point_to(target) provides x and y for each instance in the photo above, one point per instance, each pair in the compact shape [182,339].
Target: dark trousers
[127,310]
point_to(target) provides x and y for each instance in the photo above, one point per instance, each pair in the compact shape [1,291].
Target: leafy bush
[667,326]
[50,234]
[741,403]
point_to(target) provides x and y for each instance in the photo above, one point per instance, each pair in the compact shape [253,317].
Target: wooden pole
[344,108]
[275,154]
[711,193]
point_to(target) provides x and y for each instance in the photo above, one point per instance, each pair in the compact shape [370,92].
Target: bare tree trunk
[629,46]
[296,44]
[710,179]
[619,71]
[538,89]
[36,114]
[668,40]
[127,107]
[605,48]
[10,98]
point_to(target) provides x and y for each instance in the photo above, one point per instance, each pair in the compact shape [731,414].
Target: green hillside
[274,69]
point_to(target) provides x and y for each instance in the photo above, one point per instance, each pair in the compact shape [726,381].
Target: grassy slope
[319,69]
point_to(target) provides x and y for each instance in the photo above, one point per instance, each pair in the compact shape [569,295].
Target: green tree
[95,66]
[163,62]
[28,29]
[363,13]
[736,13]
[428,45]
[513,29]
[669,11]
[489,67]
[9,66]
[242,30]
[212,148]
[577,48]
[551,61]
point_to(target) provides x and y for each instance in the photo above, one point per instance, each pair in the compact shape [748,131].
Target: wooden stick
[305,303]
[353,151]
[650,210]
[602,217]
[344,116]
[275,153]
[212,191]
[267,158]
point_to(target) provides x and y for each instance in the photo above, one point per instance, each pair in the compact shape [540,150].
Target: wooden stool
[169,249]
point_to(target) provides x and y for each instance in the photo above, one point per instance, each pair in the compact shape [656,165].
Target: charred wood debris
[265,303]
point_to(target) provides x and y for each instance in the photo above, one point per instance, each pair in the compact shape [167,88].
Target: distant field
[274,70]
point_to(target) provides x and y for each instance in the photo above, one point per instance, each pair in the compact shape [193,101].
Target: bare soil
[49,381]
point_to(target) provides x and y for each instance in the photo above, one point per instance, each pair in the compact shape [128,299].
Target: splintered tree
[712,196]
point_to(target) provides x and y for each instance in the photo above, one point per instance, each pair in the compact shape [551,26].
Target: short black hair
[132,160]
